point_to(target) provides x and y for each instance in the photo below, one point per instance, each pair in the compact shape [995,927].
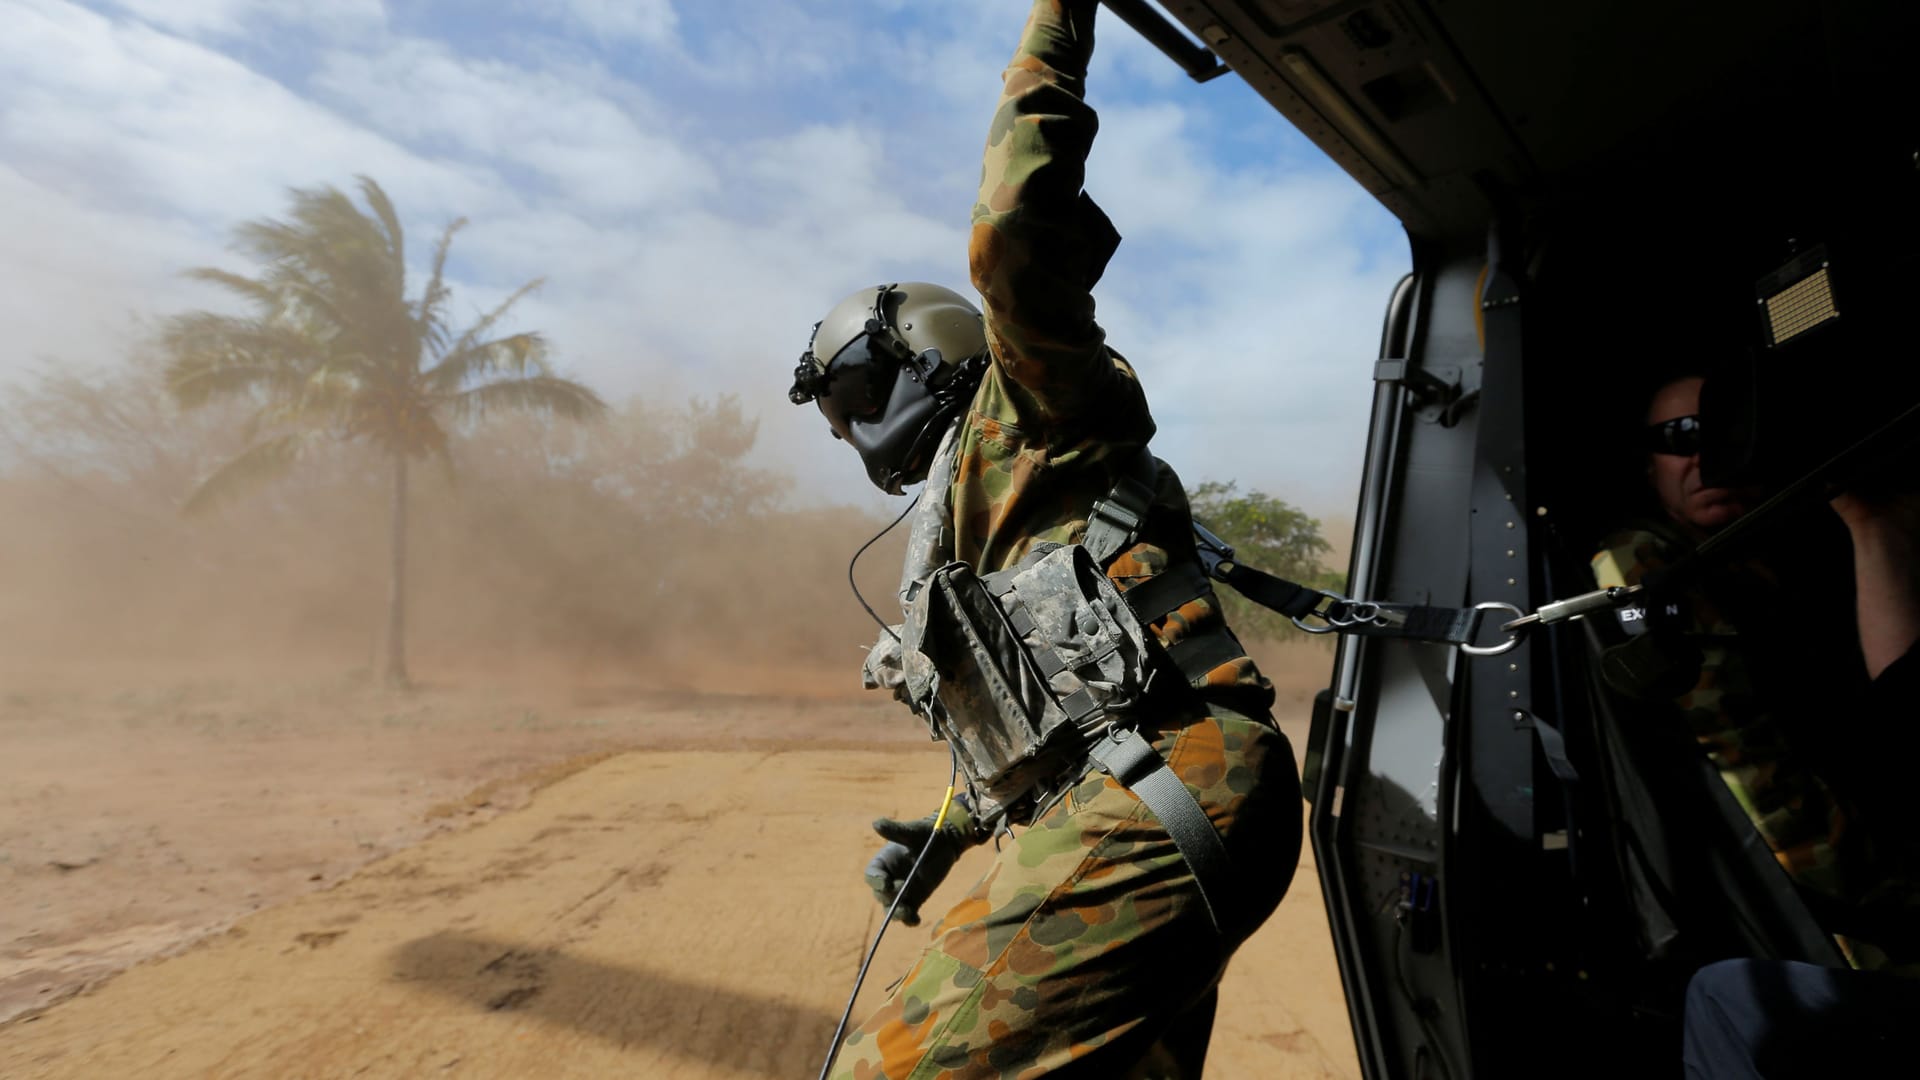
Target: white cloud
[1242,297]
[131,153]
[230,18]
[594,148]
[649,21]
[74,277]
[138,118]
[680,262]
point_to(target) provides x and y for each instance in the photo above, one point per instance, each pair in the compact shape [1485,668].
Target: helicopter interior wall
[1651,271]
[1625,293]
[1649,166]
[1593,955]
[1380,811]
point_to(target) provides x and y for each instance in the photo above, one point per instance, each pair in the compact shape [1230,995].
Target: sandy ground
[328,881]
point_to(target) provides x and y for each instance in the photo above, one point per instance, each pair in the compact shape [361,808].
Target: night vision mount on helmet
[890,367]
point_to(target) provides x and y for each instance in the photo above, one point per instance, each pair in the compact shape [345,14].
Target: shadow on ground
[629,1007]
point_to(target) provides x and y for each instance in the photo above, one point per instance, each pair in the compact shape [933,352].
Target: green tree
[333,350]
[1267,534]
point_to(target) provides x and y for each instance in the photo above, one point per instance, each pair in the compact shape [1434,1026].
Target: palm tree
[333,350]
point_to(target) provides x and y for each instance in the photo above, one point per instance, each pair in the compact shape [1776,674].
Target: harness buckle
[1216,555]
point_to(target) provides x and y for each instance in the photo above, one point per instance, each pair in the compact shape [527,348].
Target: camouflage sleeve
[1039,243]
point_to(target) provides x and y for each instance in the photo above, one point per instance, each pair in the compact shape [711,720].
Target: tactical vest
[1039,670]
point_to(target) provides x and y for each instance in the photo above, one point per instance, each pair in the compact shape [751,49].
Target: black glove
[887,873]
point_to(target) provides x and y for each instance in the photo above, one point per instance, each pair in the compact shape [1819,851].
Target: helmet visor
[857,383]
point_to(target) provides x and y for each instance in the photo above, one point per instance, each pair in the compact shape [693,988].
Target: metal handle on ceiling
[1195,59]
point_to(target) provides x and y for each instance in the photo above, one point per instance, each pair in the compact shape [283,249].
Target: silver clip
[1514,629]
[1574,607]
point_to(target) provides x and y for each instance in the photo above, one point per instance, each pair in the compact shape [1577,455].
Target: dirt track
[664,912]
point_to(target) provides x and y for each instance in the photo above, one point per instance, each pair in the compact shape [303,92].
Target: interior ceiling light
[1800,304]
[1333,105]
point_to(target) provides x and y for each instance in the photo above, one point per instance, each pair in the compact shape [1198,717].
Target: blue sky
[697,182]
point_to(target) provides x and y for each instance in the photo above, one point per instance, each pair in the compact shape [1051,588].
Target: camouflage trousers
[1085,949]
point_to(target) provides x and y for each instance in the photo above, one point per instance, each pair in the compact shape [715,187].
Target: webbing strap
[1133,762]
[1367,618]
[1421,622]
[1167,591]
[1288,598]
[1196,656]
[1113,524]
[1114,521]
[1554,746]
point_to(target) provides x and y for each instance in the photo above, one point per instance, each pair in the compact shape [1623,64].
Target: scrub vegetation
[1272,535]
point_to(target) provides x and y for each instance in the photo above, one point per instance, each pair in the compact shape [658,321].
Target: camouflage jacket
[1791,807]
[1058,412]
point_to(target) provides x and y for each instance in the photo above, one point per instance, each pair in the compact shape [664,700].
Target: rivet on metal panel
[1510,581]
[1509,553]
[1509,524]
[1513,693]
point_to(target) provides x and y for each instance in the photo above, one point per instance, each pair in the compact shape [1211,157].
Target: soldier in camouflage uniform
[1789,805]
[1086,948]
[1804,822]
[1747,1017]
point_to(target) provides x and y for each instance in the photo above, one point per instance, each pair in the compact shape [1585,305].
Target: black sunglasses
[1679,436]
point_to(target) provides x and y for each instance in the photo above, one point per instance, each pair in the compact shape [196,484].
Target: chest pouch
[1023,669]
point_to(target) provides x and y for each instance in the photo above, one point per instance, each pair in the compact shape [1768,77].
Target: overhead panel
[1377,86]
[1583,84]
[1438,107]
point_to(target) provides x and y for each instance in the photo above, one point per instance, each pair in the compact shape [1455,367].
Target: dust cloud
[641,549]
[194,737]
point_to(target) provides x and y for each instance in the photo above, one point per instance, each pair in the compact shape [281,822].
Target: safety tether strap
[1167,591]
[1422,622]
[1133,762]
[1113,526]
[1114,522]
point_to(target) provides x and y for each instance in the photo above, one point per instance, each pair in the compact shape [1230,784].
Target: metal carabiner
[1516,632]
[1359,613]
[1322,610]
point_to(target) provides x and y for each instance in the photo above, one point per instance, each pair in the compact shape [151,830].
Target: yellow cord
[953,780]
[941,818]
